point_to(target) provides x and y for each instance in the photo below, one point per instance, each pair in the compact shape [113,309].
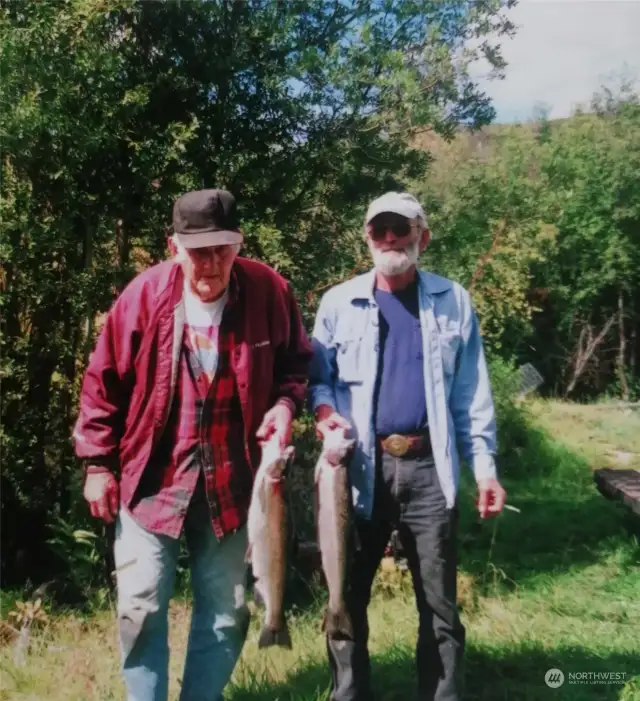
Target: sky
[563,51]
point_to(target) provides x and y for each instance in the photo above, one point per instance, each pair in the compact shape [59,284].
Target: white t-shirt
[203,325]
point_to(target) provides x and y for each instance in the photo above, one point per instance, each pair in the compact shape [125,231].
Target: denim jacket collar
[363,286]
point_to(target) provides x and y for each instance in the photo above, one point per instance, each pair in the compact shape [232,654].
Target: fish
[333,504]
[267,533]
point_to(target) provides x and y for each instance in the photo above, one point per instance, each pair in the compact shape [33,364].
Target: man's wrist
[92,469]
[323,412]
[483,466]
[288,403]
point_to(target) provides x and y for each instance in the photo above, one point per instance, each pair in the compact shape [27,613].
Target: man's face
[395,243]
[208,269]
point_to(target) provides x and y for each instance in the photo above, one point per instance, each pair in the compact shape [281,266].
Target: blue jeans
[220,617]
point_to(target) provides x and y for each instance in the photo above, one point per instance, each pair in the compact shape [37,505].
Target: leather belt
[400,445]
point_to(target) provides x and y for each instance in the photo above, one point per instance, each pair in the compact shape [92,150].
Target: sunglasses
[399,226]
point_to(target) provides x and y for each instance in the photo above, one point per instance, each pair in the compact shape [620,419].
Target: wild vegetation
[541,222]
[553,585]
[110,110]
[306,110]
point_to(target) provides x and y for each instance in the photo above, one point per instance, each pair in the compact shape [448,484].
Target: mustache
[407,250]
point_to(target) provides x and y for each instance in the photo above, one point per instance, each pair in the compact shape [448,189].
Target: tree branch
[583,356]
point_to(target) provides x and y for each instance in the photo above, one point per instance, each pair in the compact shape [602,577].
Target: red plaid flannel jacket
[132,378]
[204,435]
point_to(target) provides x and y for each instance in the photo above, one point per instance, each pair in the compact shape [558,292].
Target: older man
[200,358]
[398,358]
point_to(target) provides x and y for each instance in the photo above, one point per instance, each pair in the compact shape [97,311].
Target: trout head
[276,460]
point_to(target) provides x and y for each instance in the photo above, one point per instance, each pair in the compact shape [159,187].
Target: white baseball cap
[397,202]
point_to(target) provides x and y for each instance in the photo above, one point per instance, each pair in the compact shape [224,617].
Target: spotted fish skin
[333,516]
[267,536]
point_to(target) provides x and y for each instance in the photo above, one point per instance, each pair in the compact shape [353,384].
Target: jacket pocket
[449,344]
[348,361]
[261,358]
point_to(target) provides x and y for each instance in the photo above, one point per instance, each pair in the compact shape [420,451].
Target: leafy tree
[111,110]
[542,221]
[488,228]
[591,171]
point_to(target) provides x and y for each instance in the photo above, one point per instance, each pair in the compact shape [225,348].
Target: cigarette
[512,508]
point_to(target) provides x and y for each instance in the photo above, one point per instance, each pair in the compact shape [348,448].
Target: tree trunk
[633,349]
[123,243]
[624,386]
[583,354]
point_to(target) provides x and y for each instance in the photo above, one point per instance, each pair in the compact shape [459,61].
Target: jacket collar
[363,286]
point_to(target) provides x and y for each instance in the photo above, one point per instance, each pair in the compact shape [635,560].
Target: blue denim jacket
[459,402]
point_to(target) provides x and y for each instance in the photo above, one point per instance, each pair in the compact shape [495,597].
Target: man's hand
[276,422]
[491,497]
[327,420]
[102,494]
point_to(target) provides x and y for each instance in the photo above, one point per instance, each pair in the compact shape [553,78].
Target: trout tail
[338,625]
[270,637]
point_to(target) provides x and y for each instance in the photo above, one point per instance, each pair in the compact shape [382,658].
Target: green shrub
[514,426]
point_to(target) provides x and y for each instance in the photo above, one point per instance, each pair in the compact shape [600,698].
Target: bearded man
[399,361]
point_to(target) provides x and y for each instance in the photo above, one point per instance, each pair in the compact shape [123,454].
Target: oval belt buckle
[397,445]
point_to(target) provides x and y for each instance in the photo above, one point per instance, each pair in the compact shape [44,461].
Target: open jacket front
[131,379]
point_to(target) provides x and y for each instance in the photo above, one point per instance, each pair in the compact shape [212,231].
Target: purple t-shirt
[399,400]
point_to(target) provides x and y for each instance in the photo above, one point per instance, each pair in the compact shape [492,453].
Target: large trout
[333,516]
[267,535]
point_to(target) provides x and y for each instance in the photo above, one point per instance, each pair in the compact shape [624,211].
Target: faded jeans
[220,617]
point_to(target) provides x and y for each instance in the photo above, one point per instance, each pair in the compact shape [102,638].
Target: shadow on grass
[509,675]
[563,520]
[563,523]
[549,536]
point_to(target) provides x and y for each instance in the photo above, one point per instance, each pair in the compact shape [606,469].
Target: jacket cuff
[483,466]
[101,463]
[319,396]
[92,469]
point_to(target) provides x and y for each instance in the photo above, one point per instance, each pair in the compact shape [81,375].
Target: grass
[595,431]
[554,586]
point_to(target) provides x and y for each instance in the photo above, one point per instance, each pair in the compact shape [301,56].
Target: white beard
[397,262]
